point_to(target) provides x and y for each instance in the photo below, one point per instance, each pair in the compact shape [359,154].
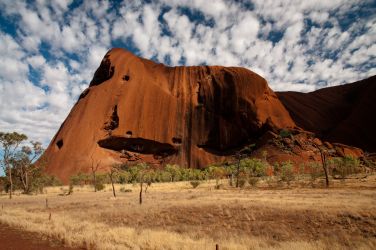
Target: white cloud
[36,61]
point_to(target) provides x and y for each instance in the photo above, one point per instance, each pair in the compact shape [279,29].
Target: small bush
[195,184]
[125,190]
[253,181]
[242,183]
[287,173]
[344,166]
[99,186]
[70,191]
[284,133]
[315,171]
[270,181]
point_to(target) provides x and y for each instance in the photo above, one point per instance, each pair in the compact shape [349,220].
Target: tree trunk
[27,182]
[95,182]
[112,183]
[141,185]
[10,182]
[237,173]
[23,180]
[325,167]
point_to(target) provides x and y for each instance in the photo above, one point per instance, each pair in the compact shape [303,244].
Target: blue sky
[50,49]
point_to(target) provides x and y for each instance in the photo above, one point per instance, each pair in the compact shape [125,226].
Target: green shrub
[253,167]
[284,133]
[287,173]
[253,181]
[99,186]
[344,166]
[80,179]
[195,184]
[315,170]
[174,171]
[242,182]
[125,190]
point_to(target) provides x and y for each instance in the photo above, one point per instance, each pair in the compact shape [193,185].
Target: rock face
[344,114]
[138,110]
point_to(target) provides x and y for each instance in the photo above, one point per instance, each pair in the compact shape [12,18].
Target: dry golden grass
[176,216]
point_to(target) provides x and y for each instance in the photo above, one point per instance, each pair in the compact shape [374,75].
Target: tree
[24,164]
[287,174]
[216,172]
[113,172]
[241,155]
[323,154]
[94,169]
[174,171]
[344,166]
[143,170]
[253,169]
[9,143]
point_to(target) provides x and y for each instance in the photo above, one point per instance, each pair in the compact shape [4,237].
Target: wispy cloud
[50,49]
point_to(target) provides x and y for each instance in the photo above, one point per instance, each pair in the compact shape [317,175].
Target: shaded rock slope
[137,110]
[344,114]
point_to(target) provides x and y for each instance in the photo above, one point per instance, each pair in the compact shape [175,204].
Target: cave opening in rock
[59,143]
[126,77]
[138,145]
[177,140]
[113,123]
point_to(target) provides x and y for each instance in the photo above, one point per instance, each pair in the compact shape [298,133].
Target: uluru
[187,124]
[137,110]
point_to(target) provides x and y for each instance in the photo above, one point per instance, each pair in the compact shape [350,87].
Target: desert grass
[176,216]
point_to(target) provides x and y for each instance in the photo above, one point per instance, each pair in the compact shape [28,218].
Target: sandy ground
[15,239]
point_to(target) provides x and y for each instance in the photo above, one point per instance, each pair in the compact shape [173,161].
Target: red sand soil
[15,239]
[138,110]
[344,114]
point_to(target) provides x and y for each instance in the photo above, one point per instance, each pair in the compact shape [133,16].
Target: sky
[49,50]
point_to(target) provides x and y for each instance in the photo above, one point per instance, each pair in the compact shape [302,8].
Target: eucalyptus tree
[9,144]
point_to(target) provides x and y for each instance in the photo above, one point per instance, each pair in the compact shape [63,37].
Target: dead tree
[113,171]
[324,164]
[94,169]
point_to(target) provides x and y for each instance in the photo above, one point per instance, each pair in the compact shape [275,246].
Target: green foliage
[315,170]
[80,179]
[252,170]
[123,177]
[253,181]
[253,167]
[9,143]
[344,166]
[174,172]
[284,133]
[99,186]
[286,172]
[39,183]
